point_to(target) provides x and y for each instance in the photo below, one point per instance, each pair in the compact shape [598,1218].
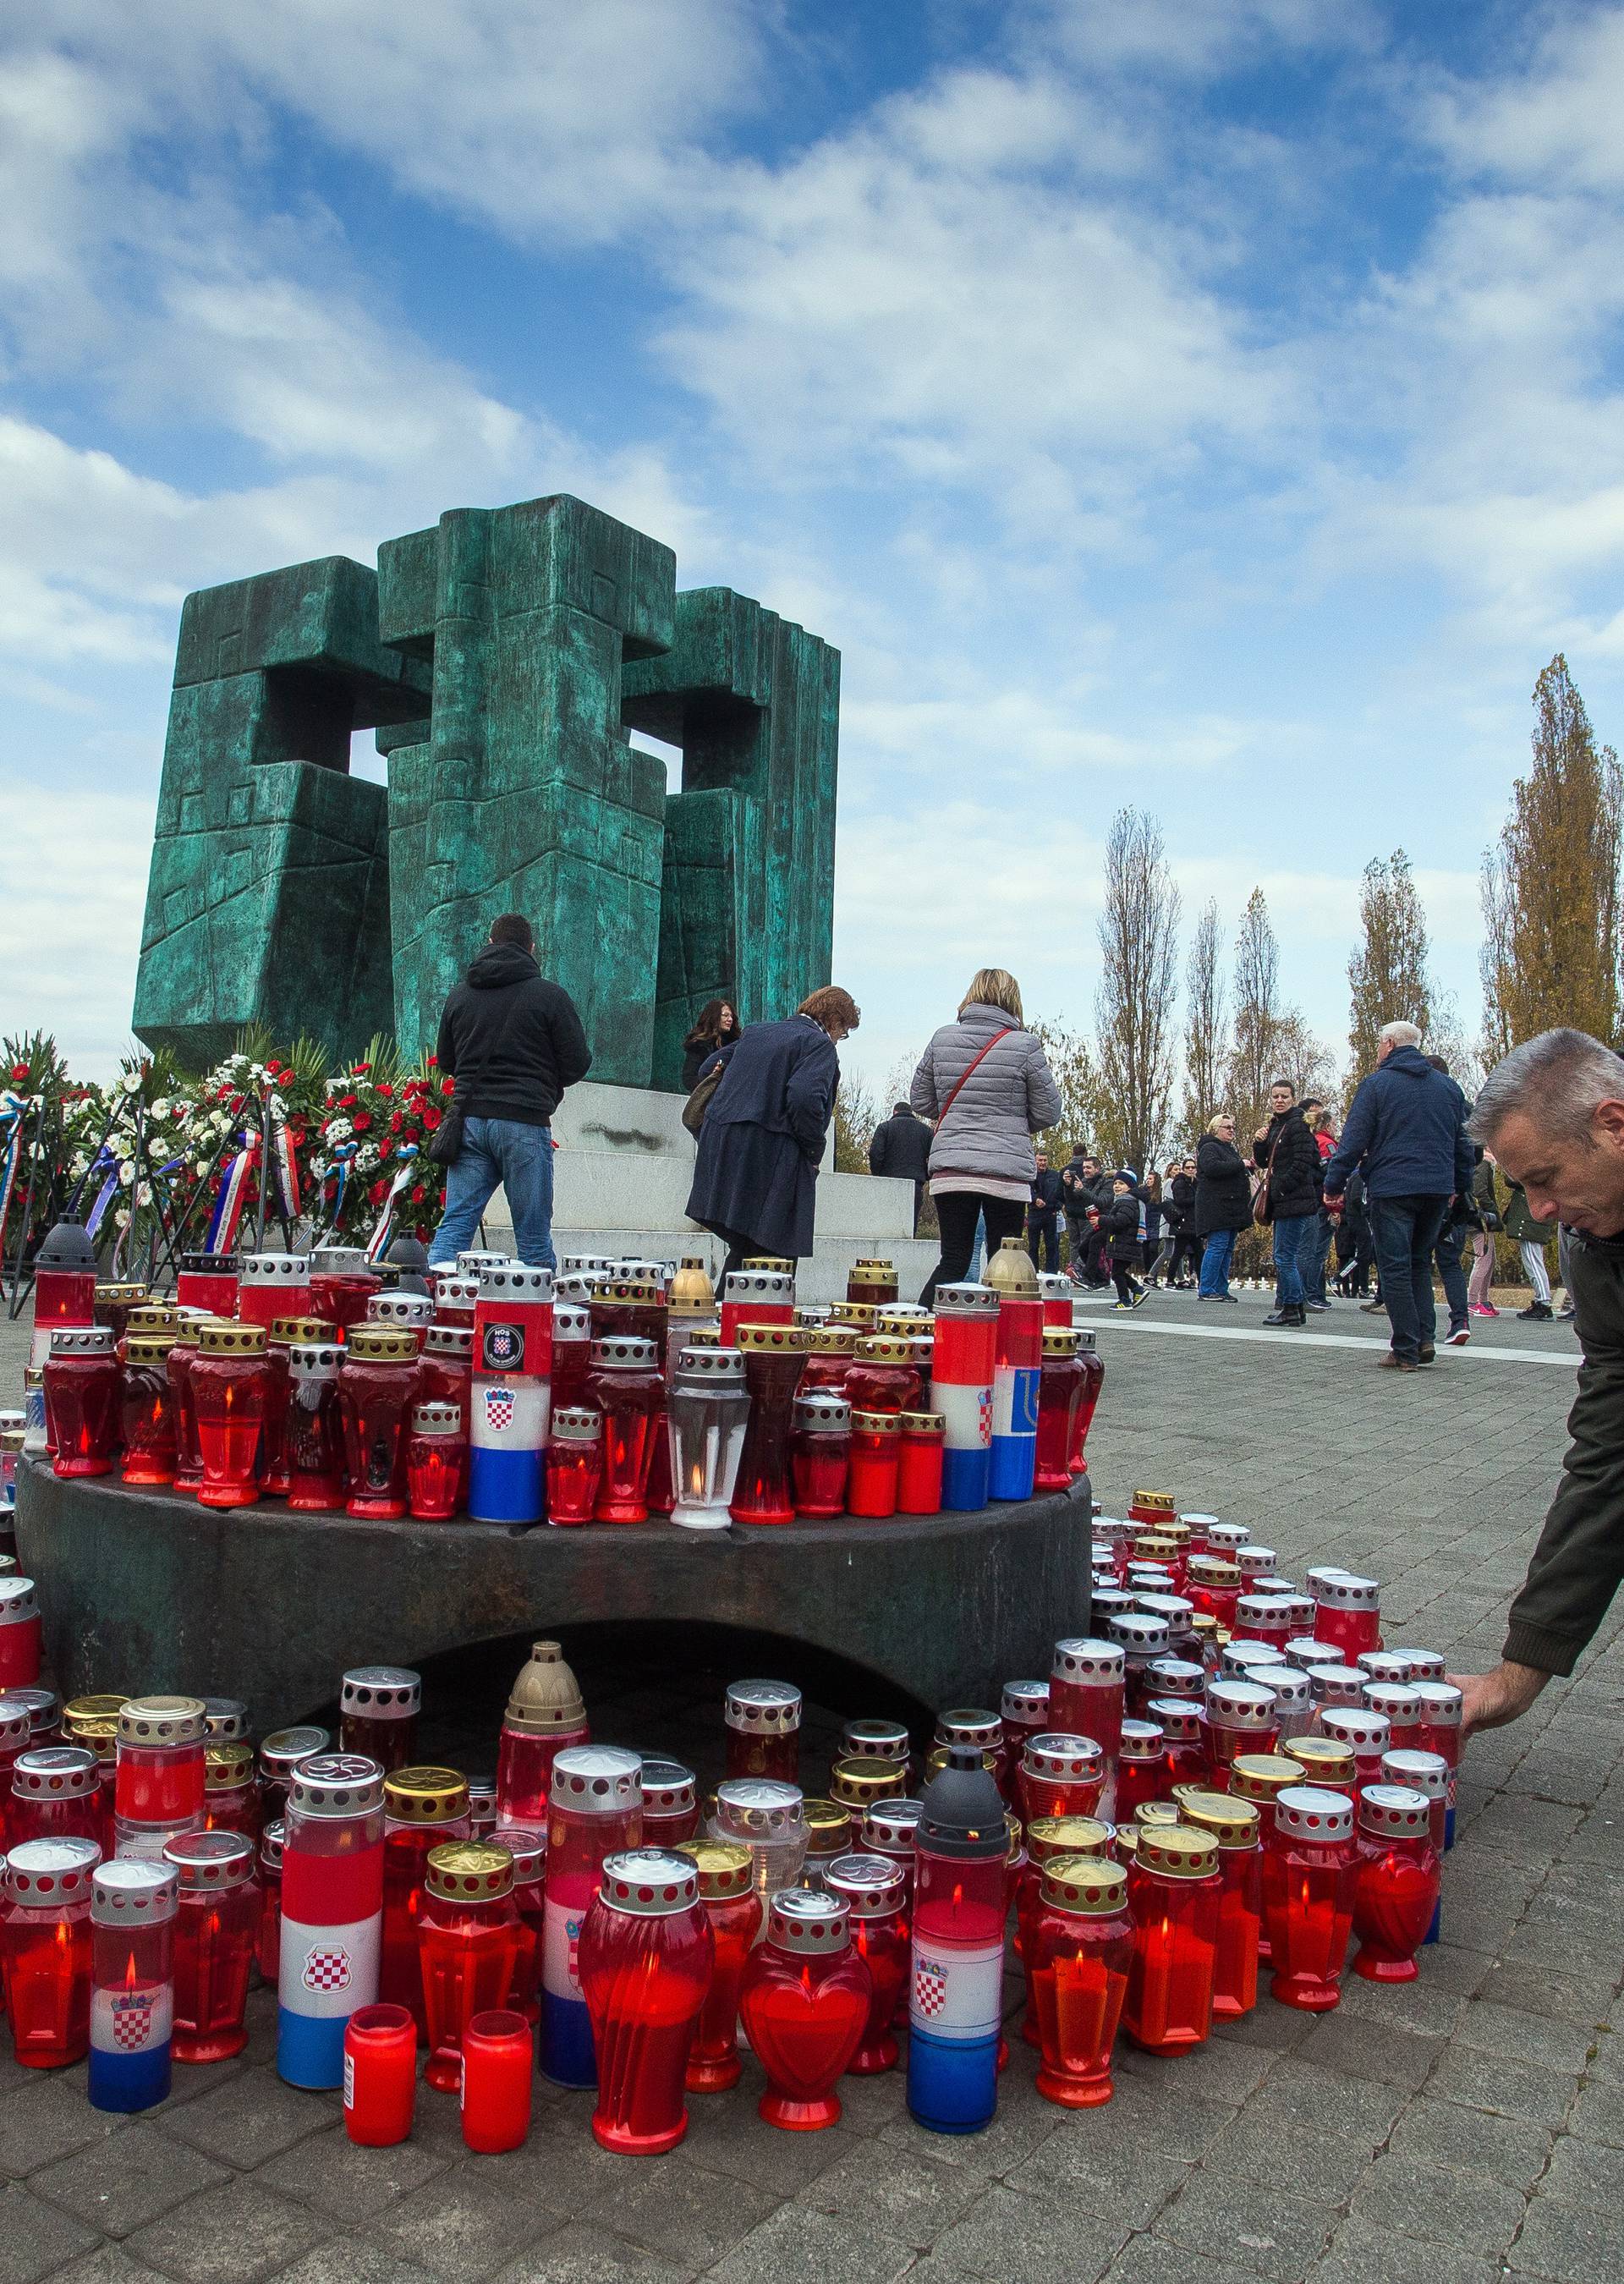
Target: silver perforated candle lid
[809,1925]
[1026,1702]
[1337,1685]
[650,1882]
[163,1720]
[1302,1650]
[207,1861]
[1237,1659]
[967,1724]
[1400,1701]
[526,1844]
[44,1706]
[622,1352]
[134,1895]
[763,1709]
[436,1419]
[1308,1813]
[1143,1740]
[1427,1772]
[454,1341]
[875,1741]
[822,1411]
[1344,1590]
[18,1601]
[966,1301]
[339,1261]
[1441,1704]
[1225,1538]
[1177,1677]
[454,1291]
[55,1772]
[382,1693]
[1424,1664]
[282,1751]
[873,1886]
[474,1263]
[1386,1665]
[1262,1610]
[1180,1719]
[1394,1811]
[705,1367]
[274,1269]
[1145,1636]
[759,1808]
[1255,1562]
[82,1339]
[1058,1757]
[225,1720]
[668,1786]
[1240,1705]
[13,1723]
[1293,1693]
[314,1360]
[576,1423]
[414,1309]
[891,1826]
[1087,1658]
[512,1281]
[1357,1726]
[271,1845]
[759,1287]
[41,1875]
[336,1784]
[1177,1609]
[596,1779]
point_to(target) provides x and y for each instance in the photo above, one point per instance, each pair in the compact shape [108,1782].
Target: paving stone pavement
[1469,2126]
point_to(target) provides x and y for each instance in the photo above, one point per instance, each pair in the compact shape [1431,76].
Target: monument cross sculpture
[502,659]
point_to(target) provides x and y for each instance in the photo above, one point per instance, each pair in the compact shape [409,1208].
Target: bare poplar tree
[1258,1015]
[1138,987]
[1388,973]
[1550,884]
[1207,1044]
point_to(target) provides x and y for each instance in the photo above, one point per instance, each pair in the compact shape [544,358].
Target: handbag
[445,1144]
[699,1099]
[1260,1203]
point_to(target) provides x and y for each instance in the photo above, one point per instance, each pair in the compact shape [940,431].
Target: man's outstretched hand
[1491,1700]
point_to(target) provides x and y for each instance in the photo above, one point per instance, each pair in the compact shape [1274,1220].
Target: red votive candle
[217,1930]
[273,1285]
[268,1939]
[378,1714]
[208,1282]
[160,1769]
[544,1714]
[762,1721]
[1367,1734]
[19,1634]
[820,1451]
[1060,1775]
[377,1388]
[342,1282]
[1079,1957]
[1023,1714]
[422,1809]
[276,1459]
[148,1410]
[45,1949]
[877,1894]
[1142,1769]
[230,1376]
[1396,1887]
[436,1461]
[876,1461]
[1183,1728]
[231,1789]
[574,1463]
[646,1956]
[805,2001]
[764,1492]
[1347,1610]
[1236,1825]
[380,2076]
[1241,1718]
[1308,1895]
[922,1441]
[468,1941]
[628,1387]
[499,2080]
[314,1430]
[1061,1383]
[56,1794]
[82,1385]
[1174,1898]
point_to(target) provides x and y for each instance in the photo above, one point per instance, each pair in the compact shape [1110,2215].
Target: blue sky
[1210,407]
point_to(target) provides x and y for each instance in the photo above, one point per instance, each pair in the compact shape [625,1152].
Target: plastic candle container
[1175,1897]
[707,1407]
[1060,1775]
[147,1410]
[272,1284]
[1086,1692]
[1262,1617]
[882,1375]
[1308,1895]
[820,1452]
[959,1914]
[1440,1732]
[274,1465]
[645,1954]
[921,1444]
[445,1370]
[230,1376]
[422,1809]
[1047,1837]
[160,1771]
[596,1811]
[217,1930]
[436,1462]
[113,1305]
[1237,1825]
[571,1351]
[376,1390]
[188,1454]
[544,1713]
[1347,1610]
[231,1791]
[83,1388]
[876,1894]
[378,1713]
[766,1815]
[1396,1883]
[19,1634]
[727,1892]
[498,2077]
[764,1492]
[1240,1718]
[1183,1728]
[280,1755]
[574,1464]
[1093,1380]
[1079,1951]
[1143,1638]
[830,1352]
[132,1953]
[627,1387]
[267,1941]
[1400,1704]
[670,1804]
[342,1282]
[804,2000]
[1060,1391]
[763,1724]
[1017,1372]
[468,1946]
[961,1375]
[380,2076]
[528,1850]
[313,1431]
[15,1741]
[1367,1734]
[755,1296]
[332,1881]
[45,1949]
[876,1462]
[56,1794]
[1023,1715]
[64,1286]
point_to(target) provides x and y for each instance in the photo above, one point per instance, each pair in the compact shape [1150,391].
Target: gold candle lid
[875,1423]
[1260,1776]
[831,1340]
[121,1296]
[469,1872]
[1327,1762]
[382,1344]
[923,1423]
[1066,1835]
[1159,1502]
[107,1707]
[861,1313]
[857,1781]
[426,1795]
[1059,1341]
[775,1262]
[788,1338]
[149,1348]
[871,1272]
[1234,1823]
[218,1337]
[226,1767]
[286,1330]
[153,1316]
[1178,1851]
[1092,1885]
[828,1826]
[724,1867]
[882,1347]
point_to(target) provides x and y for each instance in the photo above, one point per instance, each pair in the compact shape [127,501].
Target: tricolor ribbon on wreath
[12,1109]
[380,1238]
[222,1223]
[107,1158]
[285,1165]
[339,1163]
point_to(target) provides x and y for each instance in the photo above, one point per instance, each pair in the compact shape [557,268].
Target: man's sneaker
[1392,1363]
[1372,1308]
[1460,1335]
[1426,1355]
[1121,1308]
[1320,1308]
[1539,1314]
[1565,1314]
[1140,1298]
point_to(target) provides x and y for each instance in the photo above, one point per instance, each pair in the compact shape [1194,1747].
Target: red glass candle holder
[1023,1715]
[19,1634]
[380,2076]
[56,1794]
[468,1942]
[268,1938]
[1236,1825]
[230,1376]
[436,1462]
[830,1351]
[727,1891]
[64,1286]
[216,1931]
[1427,1773]
[1142,1769]
[1086,1697]
[1173,1897]
[1399,1704]
[280,1755]
[272,1284]
[45,1949]
[1367,1734]
[528,1847]
[876,1457]
[132,1952]
[755,1296]
[596,1811]
[1396,1882]
[1061,1382]
[15,1741]
[575,1465]
[646,1956]
[113,1305]
[445,1370]
[342,1283]
[230,1788]
[1324,1762]
[160,1767]
[1347,1610]
[820,1451]
[1240,1718]
[1049,1837]
[921,1444]
[764,1492]
[1183,1728]
[1093,1380]
[83,1381]
[275,1459]
[1213,1584]
[377,1389]
[1310,1873]
[804,2001]
[378,1714]
[498,2081]
[1079,1954]
[147,1410]
[313,1430]
[544,1714]
[1060,1775]
[424,1807]
[208,1282]
[883,1376]
[875,1892]
[762,1725]
[572,1353]
[627,1387]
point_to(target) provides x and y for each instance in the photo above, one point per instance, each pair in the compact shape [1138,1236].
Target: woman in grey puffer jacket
[982,1162]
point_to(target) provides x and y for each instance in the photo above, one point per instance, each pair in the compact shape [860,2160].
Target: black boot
[1285,1315]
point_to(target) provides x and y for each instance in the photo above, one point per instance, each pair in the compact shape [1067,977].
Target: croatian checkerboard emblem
[132,2019]
[327,1970]
[987,1415]
[503,1347]
[498,1408]
[930,1988]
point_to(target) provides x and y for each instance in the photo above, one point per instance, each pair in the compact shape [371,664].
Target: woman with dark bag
[756,1178]
[717,1027]
[1224,1205]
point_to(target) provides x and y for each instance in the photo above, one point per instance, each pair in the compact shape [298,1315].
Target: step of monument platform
[821,1277]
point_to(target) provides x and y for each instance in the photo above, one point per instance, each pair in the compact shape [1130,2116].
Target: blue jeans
[520,1158]
[1293,1242]
[1446,1253]
[1406,1230]
[1217,1252]
[1316,1255]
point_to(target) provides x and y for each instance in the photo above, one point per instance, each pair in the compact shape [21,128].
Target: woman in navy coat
[755,1184]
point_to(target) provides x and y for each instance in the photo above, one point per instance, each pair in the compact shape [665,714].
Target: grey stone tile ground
[1468,2128]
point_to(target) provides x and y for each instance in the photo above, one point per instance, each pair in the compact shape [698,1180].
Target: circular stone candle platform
[142,1590]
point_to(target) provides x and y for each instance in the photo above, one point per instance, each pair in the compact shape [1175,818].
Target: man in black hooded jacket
[513,1041]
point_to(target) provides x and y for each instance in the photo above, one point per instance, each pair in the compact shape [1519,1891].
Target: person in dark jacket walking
[1553,1115]
[1407,1126]
[1224,1205]
[755,1179]
[718,1027]
[1179,1241]
[1117,1223]
[1078,1192]
[1042,1214]
[901,1148]
[1289,1152]
[513,1041]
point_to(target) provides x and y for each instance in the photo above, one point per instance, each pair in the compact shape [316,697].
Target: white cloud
[70,919]
[1551,119]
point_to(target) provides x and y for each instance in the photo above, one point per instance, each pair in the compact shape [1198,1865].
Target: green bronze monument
[502,659]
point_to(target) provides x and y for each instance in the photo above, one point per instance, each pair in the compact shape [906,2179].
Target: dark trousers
[1096,1268]
[1452,1275]
[1077,1229]
[1181,1246]
[1044,1237]
[918,1205]
[958,1210]
[1126,1284]
[1319,1252]
[1406,1230]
